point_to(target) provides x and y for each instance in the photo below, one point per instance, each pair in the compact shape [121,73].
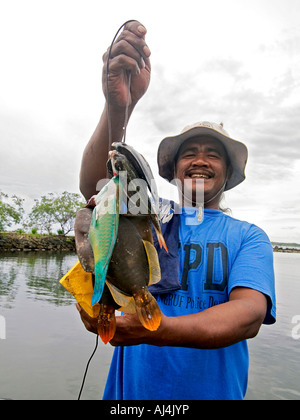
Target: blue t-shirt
[215,256]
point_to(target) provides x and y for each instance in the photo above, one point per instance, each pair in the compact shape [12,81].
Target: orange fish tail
[161,240]
[147,310]
[106,323]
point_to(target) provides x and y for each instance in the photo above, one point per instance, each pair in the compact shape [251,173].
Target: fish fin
[80,284]
[106,323]
[129,308]
[125,302]
[147,310]
[98,286]
[156,225]
[153,262]
[160,239]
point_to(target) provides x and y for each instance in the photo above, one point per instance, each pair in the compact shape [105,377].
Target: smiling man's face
[202,158]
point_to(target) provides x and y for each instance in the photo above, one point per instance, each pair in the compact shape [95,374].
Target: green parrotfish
[103,232]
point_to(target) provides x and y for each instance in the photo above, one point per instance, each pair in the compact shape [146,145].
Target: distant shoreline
[290,250]
[285,247]
[13,242]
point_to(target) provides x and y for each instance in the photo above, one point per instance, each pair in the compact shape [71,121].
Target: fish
[142,168]
[103,232]
[79,283]
[83,245]
[134,262]
[117,250]
[127,278]
[106,325]
[134,266]
[121,163]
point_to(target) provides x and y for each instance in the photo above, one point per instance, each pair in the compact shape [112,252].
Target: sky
[235,61]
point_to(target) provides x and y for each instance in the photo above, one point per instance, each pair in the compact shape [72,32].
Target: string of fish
[110,142]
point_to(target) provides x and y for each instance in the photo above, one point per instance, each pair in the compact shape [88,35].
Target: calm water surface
[274,353]
[46,347]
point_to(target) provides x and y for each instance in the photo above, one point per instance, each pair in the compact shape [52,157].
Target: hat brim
[169,147]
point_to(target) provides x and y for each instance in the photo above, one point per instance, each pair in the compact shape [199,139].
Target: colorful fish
[103,232]
[133,267]
[118,252]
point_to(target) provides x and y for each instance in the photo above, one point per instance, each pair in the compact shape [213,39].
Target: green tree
[41,215]
[56,209]
[65,207]
[10,213]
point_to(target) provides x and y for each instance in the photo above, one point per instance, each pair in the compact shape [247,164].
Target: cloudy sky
[235,61]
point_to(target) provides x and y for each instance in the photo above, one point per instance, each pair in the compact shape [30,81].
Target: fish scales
[103,232]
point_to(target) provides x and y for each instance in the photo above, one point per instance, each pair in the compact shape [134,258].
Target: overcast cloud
[236,61]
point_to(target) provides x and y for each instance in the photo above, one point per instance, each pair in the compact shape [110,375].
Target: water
[275,353]
[46,347]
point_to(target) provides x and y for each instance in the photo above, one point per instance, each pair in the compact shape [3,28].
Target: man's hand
[129,53]
[89,322]
[131,332]
[129,329]
[219,326]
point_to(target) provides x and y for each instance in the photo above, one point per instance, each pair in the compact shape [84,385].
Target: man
[217,280]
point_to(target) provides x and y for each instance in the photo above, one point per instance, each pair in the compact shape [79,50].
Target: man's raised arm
[129,53]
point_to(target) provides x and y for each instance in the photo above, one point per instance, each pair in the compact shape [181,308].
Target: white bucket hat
[237,152]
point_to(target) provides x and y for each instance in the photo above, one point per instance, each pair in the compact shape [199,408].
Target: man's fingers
[131,43]
[136,27]
[89,323]
[128,54]
[122,62]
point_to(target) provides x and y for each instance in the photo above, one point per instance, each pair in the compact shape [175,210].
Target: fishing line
[87,367]
[126,109]
[107,90]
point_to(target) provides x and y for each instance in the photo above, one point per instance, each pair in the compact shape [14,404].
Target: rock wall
[15,242]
